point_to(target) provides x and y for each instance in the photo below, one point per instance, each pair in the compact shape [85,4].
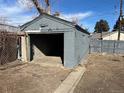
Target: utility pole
[120,18]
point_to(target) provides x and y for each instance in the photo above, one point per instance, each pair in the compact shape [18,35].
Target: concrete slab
[48,61]
[71,81]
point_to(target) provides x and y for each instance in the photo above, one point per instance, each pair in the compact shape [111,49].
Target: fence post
[114,47]
[89,49]
[101,46]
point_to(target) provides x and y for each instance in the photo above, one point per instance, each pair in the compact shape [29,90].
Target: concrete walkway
[69,84]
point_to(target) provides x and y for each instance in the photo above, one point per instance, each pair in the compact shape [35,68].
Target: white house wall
[114,36]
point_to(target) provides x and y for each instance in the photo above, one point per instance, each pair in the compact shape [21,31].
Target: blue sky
[86,11]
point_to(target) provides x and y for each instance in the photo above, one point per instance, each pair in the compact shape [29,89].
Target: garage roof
[65,22]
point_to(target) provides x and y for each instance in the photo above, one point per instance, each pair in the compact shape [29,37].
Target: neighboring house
[114,36]
[9,28]
[98,36]
[107,36]
[48,35]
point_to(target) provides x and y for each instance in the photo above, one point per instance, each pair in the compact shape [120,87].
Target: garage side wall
[81,46]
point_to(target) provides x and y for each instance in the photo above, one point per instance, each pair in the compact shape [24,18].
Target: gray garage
[48,35]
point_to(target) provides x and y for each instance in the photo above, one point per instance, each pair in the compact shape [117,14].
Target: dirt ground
[105,74]
[30,78]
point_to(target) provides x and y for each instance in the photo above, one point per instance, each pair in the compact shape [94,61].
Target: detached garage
[48,35]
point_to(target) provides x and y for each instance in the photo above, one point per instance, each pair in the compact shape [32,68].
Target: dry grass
[105,74]
[30,78]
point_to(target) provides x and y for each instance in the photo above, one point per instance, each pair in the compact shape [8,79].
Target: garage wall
[44,23]
[82,42]
[76,44]
[69,49]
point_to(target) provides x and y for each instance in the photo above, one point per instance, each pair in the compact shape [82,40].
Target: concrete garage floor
[104,74]
[30,78]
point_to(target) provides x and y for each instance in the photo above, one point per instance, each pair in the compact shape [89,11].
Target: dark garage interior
[48,44]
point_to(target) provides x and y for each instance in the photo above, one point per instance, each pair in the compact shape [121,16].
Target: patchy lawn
[105,74]
[30,78]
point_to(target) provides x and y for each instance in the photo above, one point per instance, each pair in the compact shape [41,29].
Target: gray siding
[76,43]
[81,46]
[69,49]
[76,46]
[44,24]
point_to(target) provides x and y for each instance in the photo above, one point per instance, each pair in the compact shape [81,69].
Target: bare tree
[31,3]
[38,6]
[28,4]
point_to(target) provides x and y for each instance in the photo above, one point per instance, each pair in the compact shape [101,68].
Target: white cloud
[25,3]
[15,14]
[79,16]
[9,11]
[20,19]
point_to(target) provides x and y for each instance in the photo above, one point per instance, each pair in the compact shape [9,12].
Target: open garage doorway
[46,45]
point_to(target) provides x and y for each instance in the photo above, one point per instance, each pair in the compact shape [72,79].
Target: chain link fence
[107,46]
[8,47]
